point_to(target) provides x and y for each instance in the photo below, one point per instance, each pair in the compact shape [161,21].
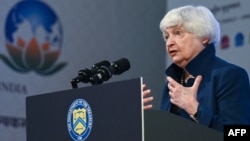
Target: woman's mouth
[172,52]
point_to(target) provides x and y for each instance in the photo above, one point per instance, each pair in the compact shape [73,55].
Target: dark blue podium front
[109,112]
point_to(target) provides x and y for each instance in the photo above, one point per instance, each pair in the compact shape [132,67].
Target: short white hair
[198,20]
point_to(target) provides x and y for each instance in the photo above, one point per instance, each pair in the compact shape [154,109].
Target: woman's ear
[205,41]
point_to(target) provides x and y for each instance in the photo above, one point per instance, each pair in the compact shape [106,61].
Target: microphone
[120,66]
[96,66]
[86,74]
[104,73]
[101,71]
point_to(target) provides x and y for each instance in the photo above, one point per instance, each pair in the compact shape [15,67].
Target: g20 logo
[33,35]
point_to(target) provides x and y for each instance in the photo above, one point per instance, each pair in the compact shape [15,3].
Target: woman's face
[182,46]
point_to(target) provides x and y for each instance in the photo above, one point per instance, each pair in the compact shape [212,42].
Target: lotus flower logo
[33,38]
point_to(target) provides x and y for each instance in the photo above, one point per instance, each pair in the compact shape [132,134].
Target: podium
[164,126]
[107,112]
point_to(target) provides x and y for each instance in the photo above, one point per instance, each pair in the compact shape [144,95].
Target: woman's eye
[177,32]
[166,37]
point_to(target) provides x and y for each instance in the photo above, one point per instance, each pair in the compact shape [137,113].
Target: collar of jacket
[198,66]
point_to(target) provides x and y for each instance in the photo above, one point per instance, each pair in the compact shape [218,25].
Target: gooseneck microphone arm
[101,72]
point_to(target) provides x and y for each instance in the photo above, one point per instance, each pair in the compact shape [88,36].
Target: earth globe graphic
[33,35]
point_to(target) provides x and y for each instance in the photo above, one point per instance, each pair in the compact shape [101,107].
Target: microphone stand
[74,83]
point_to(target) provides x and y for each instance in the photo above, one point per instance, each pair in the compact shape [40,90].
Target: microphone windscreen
[120,66]
[98,65]
[102,63]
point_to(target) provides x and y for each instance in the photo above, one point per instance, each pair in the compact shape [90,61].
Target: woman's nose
[170,41]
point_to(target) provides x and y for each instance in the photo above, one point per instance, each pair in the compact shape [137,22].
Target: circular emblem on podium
[79,120]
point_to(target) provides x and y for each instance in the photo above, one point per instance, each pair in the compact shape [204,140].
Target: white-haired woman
[201,86]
